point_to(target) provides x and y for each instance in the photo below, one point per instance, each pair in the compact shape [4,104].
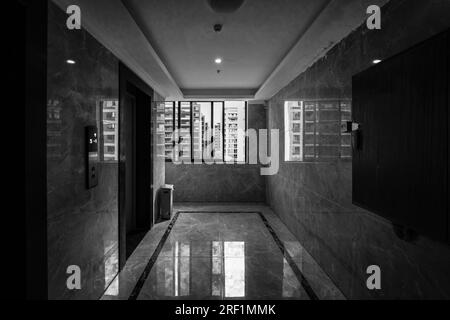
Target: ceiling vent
[225,6]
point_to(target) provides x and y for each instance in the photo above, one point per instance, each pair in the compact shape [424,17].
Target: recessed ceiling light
[218,60]
[70,61]
[376,61]
[225,6]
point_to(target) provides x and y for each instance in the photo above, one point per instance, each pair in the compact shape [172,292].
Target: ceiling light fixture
[218,60]
[70,61]
[225,6]
[376,61]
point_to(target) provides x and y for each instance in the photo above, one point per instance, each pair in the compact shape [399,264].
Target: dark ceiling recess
[225,6]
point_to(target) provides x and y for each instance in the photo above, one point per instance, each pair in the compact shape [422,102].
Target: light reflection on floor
[111,268]
[227,270]
[218,255]
[200,261]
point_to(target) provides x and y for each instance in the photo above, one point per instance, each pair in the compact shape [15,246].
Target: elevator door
[136,164]
[130,167]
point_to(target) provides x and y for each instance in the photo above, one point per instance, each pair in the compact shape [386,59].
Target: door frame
[130,83]
[29,49]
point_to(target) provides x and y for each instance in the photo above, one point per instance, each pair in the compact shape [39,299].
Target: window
[169,116]
[109,139]
[296,127]
[197,137]
[234,128]
[217,133]
[313,130]
[205,130]
[184,131]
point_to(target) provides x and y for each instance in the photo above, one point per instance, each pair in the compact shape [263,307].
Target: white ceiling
[264,45]
[252,43]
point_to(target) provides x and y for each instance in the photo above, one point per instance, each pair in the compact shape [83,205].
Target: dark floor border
[140,283]
[300,277]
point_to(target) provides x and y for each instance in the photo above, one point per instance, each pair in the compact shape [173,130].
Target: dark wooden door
[400,170]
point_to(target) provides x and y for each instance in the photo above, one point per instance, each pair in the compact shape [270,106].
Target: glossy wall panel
[82,223]
[315,199]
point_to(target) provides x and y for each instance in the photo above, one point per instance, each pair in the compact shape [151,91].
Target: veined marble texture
[221,251]
[314,200]
[82,224]
[216,183]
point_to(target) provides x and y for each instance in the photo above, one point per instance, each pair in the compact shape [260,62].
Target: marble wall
[315,199]
[82,223]
[221,182]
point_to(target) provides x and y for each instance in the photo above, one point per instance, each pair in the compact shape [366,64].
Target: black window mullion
[340,131]
[223,131]
[173,130]
[191,129]
[179,115]
[246,137]
[211,130]
[179,128]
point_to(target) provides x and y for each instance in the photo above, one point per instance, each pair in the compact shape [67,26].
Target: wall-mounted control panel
[355,129]
[350,126]
[91,156]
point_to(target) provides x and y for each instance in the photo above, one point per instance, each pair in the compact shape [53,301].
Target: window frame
[176,125]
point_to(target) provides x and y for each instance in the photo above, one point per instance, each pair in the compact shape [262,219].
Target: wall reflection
[108,118]
[54,130]
[223,270]
[88,218]
[234,269]
[111,268]
[291,286]
[313,130]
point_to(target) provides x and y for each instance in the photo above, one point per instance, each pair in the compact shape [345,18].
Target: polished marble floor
[221,252]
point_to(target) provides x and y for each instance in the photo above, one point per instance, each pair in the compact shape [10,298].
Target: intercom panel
[91,157]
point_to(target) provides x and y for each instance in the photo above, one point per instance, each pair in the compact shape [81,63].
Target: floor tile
[219,252]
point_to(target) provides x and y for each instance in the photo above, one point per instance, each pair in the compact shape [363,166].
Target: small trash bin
[166,202]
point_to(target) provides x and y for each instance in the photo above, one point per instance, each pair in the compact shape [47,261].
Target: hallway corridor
[232,150]
[221,252]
